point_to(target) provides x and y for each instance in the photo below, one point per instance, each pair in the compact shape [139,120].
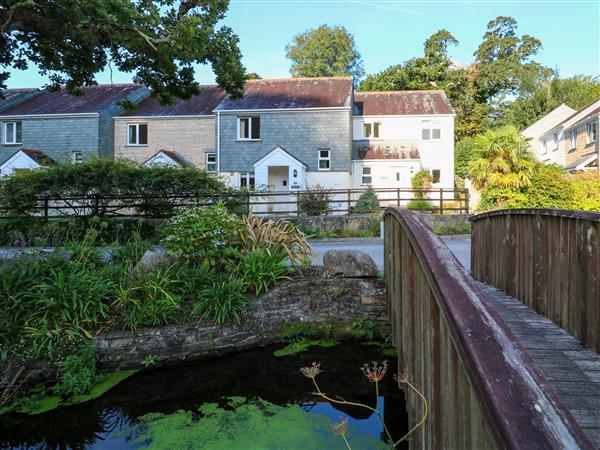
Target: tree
[464,153]
[324,52]
[503,160]
[158,40]
[550,93]
[253,76]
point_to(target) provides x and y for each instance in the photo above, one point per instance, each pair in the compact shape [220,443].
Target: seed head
[312,371]
[340,427]
[375,371]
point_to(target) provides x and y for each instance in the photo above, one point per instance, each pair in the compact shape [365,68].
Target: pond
[279,401]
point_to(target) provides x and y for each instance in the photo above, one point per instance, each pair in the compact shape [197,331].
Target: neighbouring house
[573,143]
[542,149]
[163,133]
[168,158]
[398,133]
[23,160]
[66,127]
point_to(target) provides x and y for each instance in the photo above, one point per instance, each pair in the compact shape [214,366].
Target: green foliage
[223,300]
[364,328]
[101,180]
[315,201]
[303,345]
[207,235]
[243,424]
[421,180]
[158,41]
[368,201]
[459,229]
[502,161]
[586,191]
[419,204]
[77,373]
[464,153]
[326,51]
[261,268]
[549,188]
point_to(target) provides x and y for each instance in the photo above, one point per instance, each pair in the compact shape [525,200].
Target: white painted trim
[41,116]
[137,134]
[278,110]
[14,127]
[203,116]
[319,159]
[218,152]
[287,154]
[206,161]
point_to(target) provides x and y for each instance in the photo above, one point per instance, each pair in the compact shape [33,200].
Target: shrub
[207,235]
[223,300]
[261,268]
[367,201]
[276,236]
[464,153]
[419,204]
[315,201]
[77,373]
[586,191]
[548,188]
[421,180]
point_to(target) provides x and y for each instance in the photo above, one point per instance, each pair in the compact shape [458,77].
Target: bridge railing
[482,388]
[548,259]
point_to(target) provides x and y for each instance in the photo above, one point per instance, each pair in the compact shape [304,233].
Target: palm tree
[503,160]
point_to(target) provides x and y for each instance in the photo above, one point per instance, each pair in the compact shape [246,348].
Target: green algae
[244,425]
[38,401]
[304,344]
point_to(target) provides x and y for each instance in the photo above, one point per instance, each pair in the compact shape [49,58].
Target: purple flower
[17,242]
[219,243]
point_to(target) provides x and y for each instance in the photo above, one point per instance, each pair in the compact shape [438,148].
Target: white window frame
[76,156]
[207,163]
[369,175]
[544,146]
[137,135]
[324,158]
[250,127]
[14,125]
[592,126]
[371,133]
[248,176]
[433,176]
[554,141]
[573,139]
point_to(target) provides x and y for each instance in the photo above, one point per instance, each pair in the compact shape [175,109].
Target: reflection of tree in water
[186,386]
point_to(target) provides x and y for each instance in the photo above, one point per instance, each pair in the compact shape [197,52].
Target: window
[247,181]
[425,134]
[324,159]
[554,141]
[248,128]
[20,171]
[435,175]
[366,176]
[137,134]
[12,132]
[76,157]
[544,147]
[371,130]
[436,133]
[573,137]
[431,133]
[211,162]
[592,131]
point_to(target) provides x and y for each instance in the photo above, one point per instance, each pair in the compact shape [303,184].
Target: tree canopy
[326,51]
[158,40]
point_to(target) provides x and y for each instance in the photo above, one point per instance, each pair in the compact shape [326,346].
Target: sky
[388,32]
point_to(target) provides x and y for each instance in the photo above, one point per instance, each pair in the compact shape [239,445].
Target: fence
[482,388]
[288,203]
[549,259]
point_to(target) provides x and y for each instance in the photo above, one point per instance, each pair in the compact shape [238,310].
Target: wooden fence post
[441,200]
[298,204]
[398,199]
[349,203]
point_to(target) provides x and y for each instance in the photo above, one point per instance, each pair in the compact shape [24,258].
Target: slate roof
[95,99]
[15,95]
[283,93]
[400,103]
[203,104]
[595,109]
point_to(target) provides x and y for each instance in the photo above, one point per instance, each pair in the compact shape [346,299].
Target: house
[155,132]
[167,158]
[287,134]
[65,127]
[398,133]
[573,142]
[537,130]
[24,159]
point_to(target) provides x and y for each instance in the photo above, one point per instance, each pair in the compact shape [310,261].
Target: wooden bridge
[499,371]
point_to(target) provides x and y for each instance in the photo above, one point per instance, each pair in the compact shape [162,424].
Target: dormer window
[12,132]
[137,134]
[249,128]
[371,130]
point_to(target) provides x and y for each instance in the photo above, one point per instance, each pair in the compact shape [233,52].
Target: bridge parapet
[547,258]
[482,387]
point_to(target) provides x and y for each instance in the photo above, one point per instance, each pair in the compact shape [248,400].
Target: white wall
[538,129]
[549,154]
[18,161]
[434,153]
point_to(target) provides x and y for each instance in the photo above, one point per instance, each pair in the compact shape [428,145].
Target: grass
[459,229]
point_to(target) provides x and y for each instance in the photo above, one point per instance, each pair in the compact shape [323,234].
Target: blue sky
[390,31]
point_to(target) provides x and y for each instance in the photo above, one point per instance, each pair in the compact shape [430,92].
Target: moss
[106,383]
[303,345]
[244,425]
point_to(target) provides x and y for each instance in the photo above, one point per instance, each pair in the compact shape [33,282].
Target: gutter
[41,116]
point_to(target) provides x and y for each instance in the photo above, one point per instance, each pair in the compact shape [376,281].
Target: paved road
[374,247]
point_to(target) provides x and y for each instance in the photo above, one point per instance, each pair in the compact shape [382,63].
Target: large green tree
[159,41]
[326,51]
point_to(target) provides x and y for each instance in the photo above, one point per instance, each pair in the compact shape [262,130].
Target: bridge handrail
[483,389]
[547,258]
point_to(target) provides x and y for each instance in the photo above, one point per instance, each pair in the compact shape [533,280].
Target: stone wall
[333,300]
[445,220]
[336,223]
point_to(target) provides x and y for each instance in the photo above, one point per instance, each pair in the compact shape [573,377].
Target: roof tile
[400,103]
[203,104]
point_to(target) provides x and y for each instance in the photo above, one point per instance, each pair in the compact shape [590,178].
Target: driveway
[460,246]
